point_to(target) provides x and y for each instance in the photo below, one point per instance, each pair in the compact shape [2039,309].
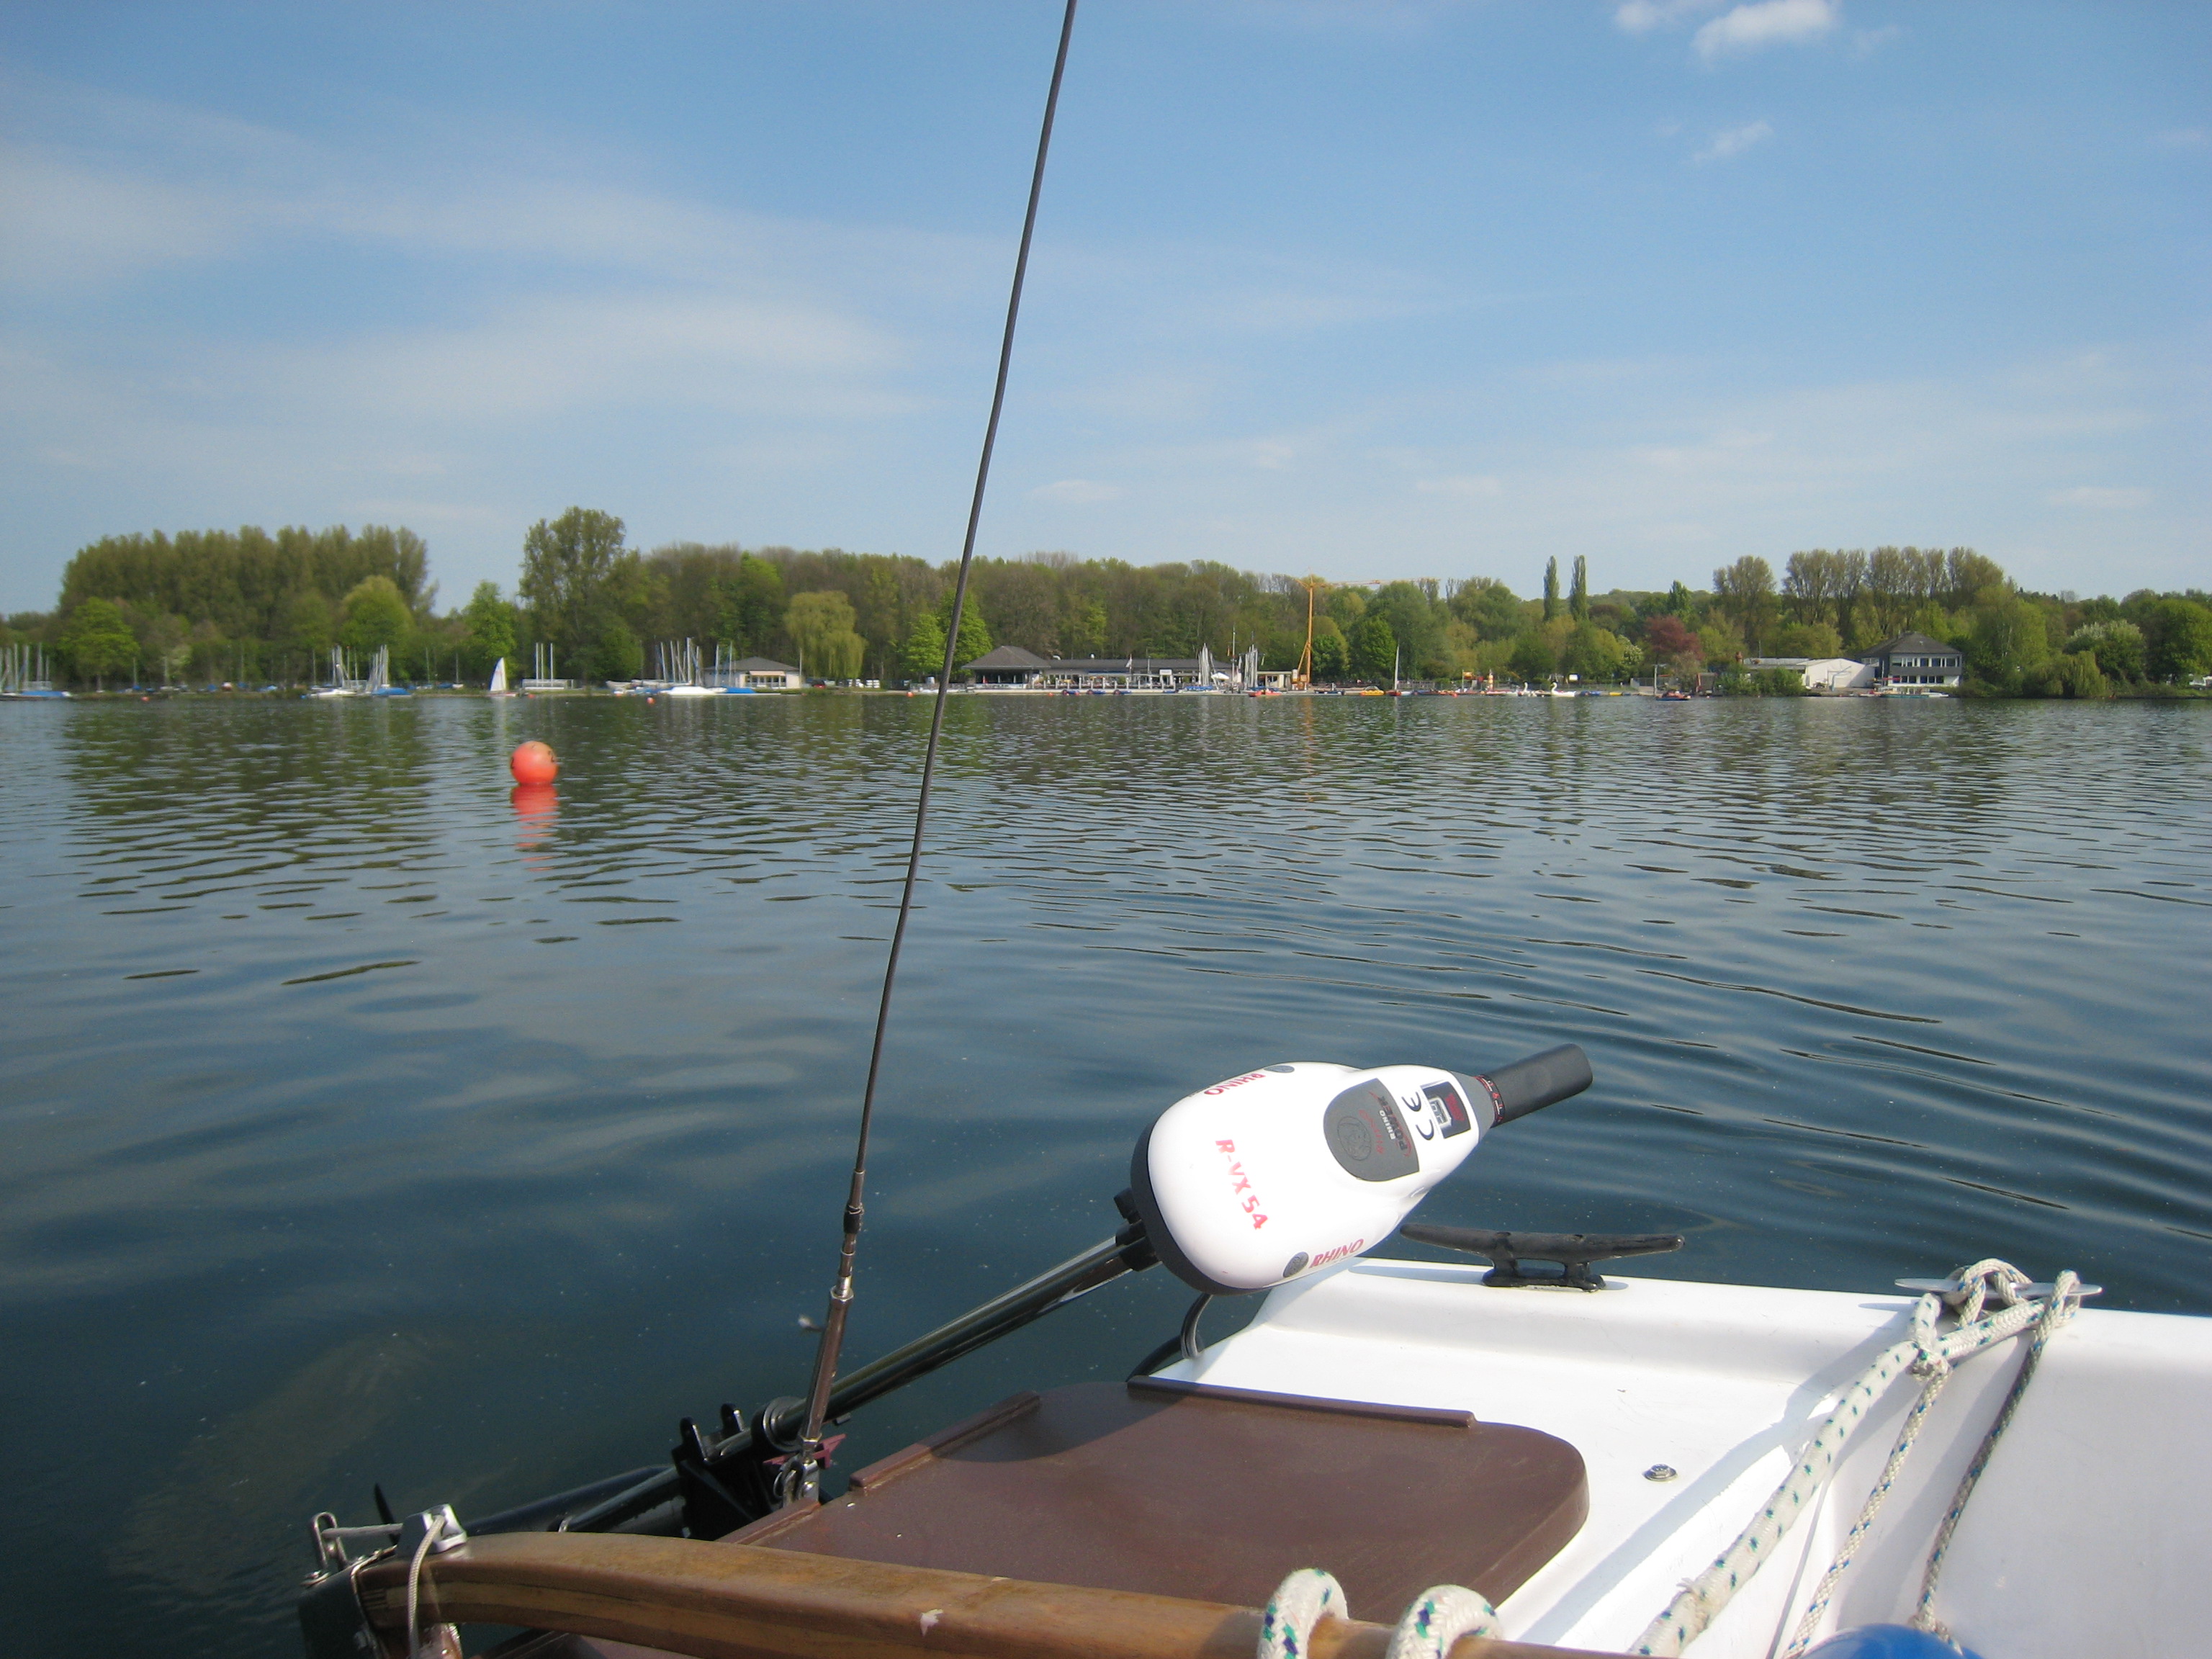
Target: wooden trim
[1442,1417]
[732,1601]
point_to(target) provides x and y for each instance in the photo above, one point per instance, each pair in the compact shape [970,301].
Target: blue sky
[1368,289]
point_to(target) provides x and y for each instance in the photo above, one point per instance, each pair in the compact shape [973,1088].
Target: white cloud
[1643,17]
[1077,492]
[1734,142]
[1470,486]
[1766,23]
[2097,495]
[549,356]
[2185,138]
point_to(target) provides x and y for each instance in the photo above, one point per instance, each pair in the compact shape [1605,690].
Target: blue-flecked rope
[2066,1297]
[1928,1355]
[1436,1618]
[1299,1603]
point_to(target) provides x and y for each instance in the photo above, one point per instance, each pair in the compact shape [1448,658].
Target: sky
[1369,290]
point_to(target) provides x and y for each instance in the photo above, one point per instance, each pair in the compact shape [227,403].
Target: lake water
[358,1122]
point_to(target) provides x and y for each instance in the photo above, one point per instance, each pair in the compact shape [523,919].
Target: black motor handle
[1528,1085]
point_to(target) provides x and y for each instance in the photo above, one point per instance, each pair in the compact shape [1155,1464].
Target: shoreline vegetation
[253,609]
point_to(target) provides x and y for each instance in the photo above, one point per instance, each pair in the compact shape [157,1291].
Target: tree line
[248,606]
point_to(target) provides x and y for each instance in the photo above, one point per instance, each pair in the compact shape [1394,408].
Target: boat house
[1007,666]
[1011,665]
[1914,659]
[1824,675]
[755,674]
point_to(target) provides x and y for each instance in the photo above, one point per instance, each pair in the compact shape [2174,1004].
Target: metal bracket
[1574,1252]
[332,1622]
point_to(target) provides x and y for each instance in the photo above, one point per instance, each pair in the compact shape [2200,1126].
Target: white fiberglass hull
[2087,1534]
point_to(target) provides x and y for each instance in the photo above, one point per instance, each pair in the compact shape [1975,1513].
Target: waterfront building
[1823,675]
[756,673]
[1007,666]
[1914,659]
[1011,666]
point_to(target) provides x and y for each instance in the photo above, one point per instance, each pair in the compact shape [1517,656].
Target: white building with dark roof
[1011,665]
[757,674]
[1915,660]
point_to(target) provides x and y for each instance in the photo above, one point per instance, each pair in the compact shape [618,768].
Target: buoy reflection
[536,805]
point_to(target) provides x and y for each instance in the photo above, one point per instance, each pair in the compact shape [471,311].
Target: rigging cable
[802,1474]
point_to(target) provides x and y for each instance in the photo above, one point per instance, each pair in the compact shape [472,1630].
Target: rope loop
[1439,1617]
[1300,1602]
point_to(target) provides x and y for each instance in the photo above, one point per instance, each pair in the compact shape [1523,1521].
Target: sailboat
[498,688]
[1529,1458]
[379,677]
[341,683]
[680,663]
[23,676]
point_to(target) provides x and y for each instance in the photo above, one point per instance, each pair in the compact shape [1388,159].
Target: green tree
[488,630]
[2070,674]
[1490,608]
[1597,654]
[749,603]
[1331,659]
[1417,623]
[974,632]
[1744,592]
[2178,639]
[1533,657]
[1550,589]
[1720,644]
[1578,593]
[97,641]
[1373,649]
[305,622]
[2005,641]
[616,652]
[1082,626]
[376,615]
[822,626]
[568,568]
[2117,647]
[1807,639]
[923,657]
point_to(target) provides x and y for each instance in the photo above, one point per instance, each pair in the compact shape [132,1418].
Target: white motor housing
[1273,1173]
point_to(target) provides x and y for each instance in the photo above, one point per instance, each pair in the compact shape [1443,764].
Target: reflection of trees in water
[182,789]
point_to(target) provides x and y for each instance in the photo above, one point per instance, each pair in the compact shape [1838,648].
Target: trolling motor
[1250,1183]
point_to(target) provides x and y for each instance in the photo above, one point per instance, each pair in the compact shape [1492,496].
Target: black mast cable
[802,1476]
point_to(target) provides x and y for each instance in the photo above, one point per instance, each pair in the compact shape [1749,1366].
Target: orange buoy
[534,763]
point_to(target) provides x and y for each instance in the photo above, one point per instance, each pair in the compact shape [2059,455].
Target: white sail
[499,679]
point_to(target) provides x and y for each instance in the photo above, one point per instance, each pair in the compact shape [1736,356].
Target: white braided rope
[1299,1603]
[2066,1297]
[1923,1352]
[1439,1617]
[1436,1618]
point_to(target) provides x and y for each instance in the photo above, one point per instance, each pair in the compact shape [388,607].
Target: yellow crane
[1312,584]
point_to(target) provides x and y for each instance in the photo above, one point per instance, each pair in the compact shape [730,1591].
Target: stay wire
[804,1467]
